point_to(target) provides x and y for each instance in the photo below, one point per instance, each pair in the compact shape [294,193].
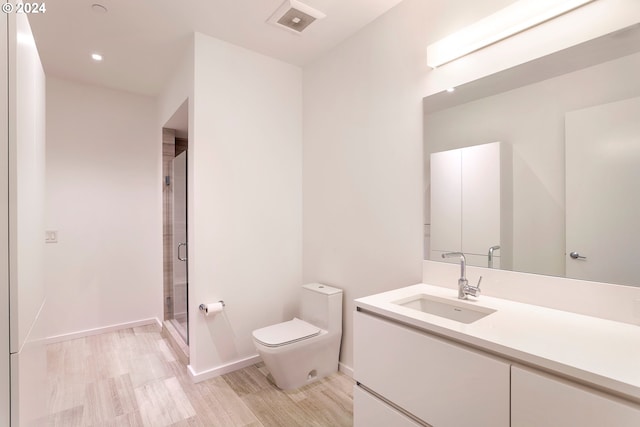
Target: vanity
[424,357]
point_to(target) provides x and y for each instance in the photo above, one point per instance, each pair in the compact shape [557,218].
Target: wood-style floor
[133,378]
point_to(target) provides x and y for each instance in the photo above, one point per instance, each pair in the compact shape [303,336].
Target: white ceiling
[141,40]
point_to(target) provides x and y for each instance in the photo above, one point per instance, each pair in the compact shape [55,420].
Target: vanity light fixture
[96,57]
[511,20]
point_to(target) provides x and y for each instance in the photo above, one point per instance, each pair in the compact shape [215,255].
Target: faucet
[490,255]
[464,289]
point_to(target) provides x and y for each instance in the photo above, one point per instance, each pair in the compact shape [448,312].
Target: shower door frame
[180,242]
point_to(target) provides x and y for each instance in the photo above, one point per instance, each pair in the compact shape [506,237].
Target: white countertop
[596,351]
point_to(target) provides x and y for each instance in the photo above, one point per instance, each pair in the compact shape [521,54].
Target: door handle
[576,255]
[179,246]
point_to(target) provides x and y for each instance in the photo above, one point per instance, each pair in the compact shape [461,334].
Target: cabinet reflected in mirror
[471,204]
[531,120]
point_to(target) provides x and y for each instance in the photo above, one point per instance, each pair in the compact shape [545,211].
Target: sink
[453,310]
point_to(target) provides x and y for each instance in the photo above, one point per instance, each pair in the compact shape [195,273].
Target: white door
[602,192]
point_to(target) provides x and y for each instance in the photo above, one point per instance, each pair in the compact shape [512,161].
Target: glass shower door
[180,247]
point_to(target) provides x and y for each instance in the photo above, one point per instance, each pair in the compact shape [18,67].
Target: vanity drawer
[437,381]
[540,399]
[373,412]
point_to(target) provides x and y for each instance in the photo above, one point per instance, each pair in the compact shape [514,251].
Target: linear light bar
[505,23]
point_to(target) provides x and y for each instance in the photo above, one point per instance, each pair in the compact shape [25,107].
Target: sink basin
[453,310]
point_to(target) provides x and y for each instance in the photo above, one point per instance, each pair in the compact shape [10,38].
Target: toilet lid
[285,333]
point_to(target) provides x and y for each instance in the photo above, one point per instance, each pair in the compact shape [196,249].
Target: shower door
[180,247]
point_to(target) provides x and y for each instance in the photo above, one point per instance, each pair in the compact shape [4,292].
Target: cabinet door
[466,199]
[439,382]
[369,411]
[446,201]
[480,198]
[539,399]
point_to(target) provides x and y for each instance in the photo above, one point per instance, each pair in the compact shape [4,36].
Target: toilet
[305,349]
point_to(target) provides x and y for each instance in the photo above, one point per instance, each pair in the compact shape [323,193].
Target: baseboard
[197,377]
[347,370]
[102,330]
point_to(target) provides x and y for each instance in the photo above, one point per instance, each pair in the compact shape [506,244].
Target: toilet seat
[285,333]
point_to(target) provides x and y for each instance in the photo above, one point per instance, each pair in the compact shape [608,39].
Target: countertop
[599,352]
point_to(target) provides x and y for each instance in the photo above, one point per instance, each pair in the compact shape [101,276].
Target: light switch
[51,236]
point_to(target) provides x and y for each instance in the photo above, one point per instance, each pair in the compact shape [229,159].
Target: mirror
[526,108]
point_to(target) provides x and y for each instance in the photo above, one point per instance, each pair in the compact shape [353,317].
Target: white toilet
[303,350]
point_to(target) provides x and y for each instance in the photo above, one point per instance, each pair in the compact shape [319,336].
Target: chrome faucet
[490,255]
[464,289]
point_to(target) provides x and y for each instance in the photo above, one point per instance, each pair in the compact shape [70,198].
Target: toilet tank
[321,305]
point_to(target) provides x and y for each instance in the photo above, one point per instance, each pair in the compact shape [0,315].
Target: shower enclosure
[175,248]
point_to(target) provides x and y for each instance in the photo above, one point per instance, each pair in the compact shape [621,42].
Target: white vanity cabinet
[538,399]
[470,202]
[520,366]
[414,374]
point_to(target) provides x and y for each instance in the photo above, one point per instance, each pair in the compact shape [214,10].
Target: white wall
[178,89]
[245,233]
[27,169]
[104,199]
[362,175]
[26,224]
[531,120]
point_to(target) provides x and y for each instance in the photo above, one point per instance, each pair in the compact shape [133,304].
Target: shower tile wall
[181,145]
[168,154]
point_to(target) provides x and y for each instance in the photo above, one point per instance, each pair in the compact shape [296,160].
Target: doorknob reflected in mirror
[576,255]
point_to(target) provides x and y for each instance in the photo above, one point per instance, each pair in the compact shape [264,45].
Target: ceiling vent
[295,16]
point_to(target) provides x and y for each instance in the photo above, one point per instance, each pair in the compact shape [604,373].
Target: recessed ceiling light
[98,8]
[451,89]
[96,57]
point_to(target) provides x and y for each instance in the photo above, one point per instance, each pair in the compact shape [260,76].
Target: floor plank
[133,378]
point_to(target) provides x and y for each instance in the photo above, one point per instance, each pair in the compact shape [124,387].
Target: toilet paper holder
[203,307]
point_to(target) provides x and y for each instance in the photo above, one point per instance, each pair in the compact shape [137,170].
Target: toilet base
[295,365]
